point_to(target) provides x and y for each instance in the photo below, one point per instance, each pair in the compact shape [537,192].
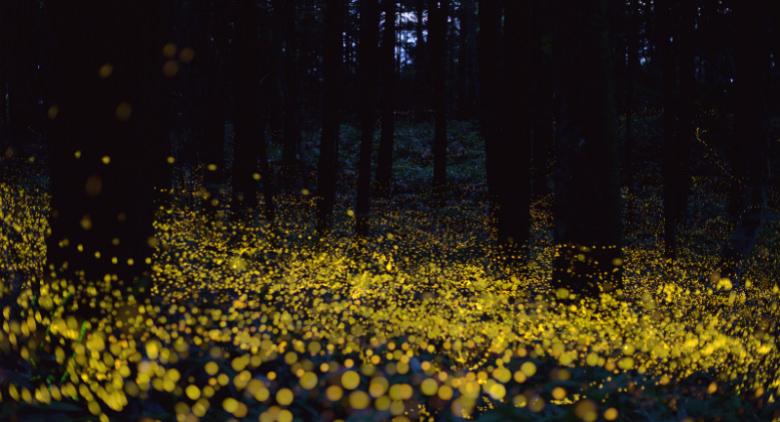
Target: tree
[251,81]
[466,58]
[678,92]
[438,32]
[333,65]
[209,83]
[18,47]
[490,107]
[384,170]
[750,147]
[367,73]
[105,139]
[587,187]
[514,157]
[542,98]
[632,67]
[285,15]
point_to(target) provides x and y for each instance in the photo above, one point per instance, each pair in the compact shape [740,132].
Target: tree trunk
[292,134]
[466,54]
[210,72]
[632,65]
[489,73]
[105,136]
[676,52]
[587,198]
[438,30]
[367,73]
[333,67]
[514,158]
[420,61]
[750,147]
[250,116]
[542,94]
[17,70]
[384,170]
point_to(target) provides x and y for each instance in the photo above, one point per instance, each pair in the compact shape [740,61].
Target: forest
[370,210]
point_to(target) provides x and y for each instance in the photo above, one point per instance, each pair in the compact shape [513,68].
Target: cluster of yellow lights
[247,320]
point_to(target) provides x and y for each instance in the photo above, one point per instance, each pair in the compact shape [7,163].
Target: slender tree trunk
[514,158]
[750,147]
[17,70]
[632,65]
[211,100]
[438,30]
[367,74]
[250,117]
[292,135]
[542,94]
[335,13]
[466,60]
[678,91]
[489,39]
[587,198]
[420,61]
[384,171]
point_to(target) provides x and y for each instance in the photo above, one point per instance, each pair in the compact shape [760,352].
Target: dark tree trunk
[367,73]
[632,65]
[750,147]
[438,32]
[678,91]
[466,57]
[384,170]
[250,73]
[489,38]
[333,66]
[587,197]
[514,157]
[292,135]
[420,61]
[542,95]
[210,72]
[17,71]
[106,136]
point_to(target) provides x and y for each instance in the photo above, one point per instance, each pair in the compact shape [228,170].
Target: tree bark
[587,197]
[333,67]
[105,136]
[466,56]
[367,73]
[250,74]
[384,171]
[438,30]
[750,147]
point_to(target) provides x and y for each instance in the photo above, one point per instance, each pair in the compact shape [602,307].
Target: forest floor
[421,320]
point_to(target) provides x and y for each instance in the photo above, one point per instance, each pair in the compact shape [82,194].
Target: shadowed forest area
[370,210]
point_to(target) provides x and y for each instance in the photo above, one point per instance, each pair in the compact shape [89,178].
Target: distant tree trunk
[489,38]
[292,135]
[420,61]
[542,97]
[210,72]
[384,170]
[250,117]
[466,53]
[750,147]
[438,30]
[367,73]
[17,70]
[632,65]
[105,136]
[514,158]
[587,185]
[335,13]
[678,90]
